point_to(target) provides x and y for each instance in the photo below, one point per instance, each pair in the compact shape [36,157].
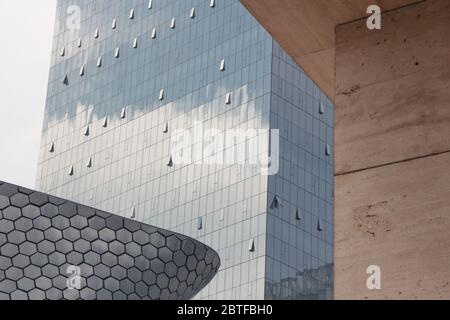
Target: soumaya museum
[233,150]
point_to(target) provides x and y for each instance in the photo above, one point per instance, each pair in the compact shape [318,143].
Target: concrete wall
[393,154]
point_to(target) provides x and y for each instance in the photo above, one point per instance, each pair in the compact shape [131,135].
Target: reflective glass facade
[130,74]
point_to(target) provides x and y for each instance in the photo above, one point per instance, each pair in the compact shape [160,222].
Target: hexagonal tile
[86,270]
[142,263]
[42,223]
[82,246]
[60,282]
[8,286]
[32,272]
[154,292]
[43,283]
[191,263]
[89,234]
[39,259]
[104,294]
[92,258]
[97,223]
[54,294]
[85,211]
[53,234]
[79,222]
[14,273]
[157,266]
[57,258]
[149,277]
[60,222]
[134,274]
[179,258]
[25,190]
[117,247]
[173,243]
[126,286]
[102,271]
[124,236]
[56,201]
[141,289]
[88,294]
[64,246]
[171,269]
[46,247]
[173,284]
[109,259]
[31,211]
[38,199]
[95,282]
[9,250]
[35,236]
[8,190]
[141,237]
[36,294]
[23,224]
[200,252]
[99,246]
[16,237]
[188,247]
[68,209]
[162,280]
[119,295]
[69,294]
[12,213]
[118,272]
[131,225]
[71,234]
[28,248]
[49,210]
[50,271]
[183,273]
[114,223]
[25,284]
[6,226]
[19,200]
[74,258]
[107,235]
[157,240]
[165,254]
[126,261]
[133,249]
[21,261]
[112,284]
[4,202]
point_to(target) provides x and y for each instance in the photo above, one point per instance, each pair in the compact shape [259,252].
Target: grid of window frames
[299,256]
[133,73]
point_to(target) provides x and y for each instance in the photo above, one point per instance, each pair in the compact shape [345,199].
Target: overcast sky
[26,31]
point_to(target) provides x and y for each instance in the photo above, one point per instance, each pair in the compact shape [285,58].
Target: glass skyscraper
[127,75]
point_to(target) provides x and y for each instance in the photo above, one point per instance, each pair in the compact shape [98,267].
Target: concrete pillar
[393,154]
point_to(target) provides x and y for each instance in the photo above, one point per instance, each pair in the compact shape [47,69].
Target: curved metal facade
[55,249]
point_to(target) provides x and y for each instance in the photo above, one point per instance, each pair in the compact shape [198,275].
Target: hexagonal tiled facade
[45,241]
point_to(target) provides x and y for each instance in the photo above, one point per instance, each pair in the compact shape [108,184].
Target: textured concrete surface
[306,29]
[392,192]
[393,87]
[396,217]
